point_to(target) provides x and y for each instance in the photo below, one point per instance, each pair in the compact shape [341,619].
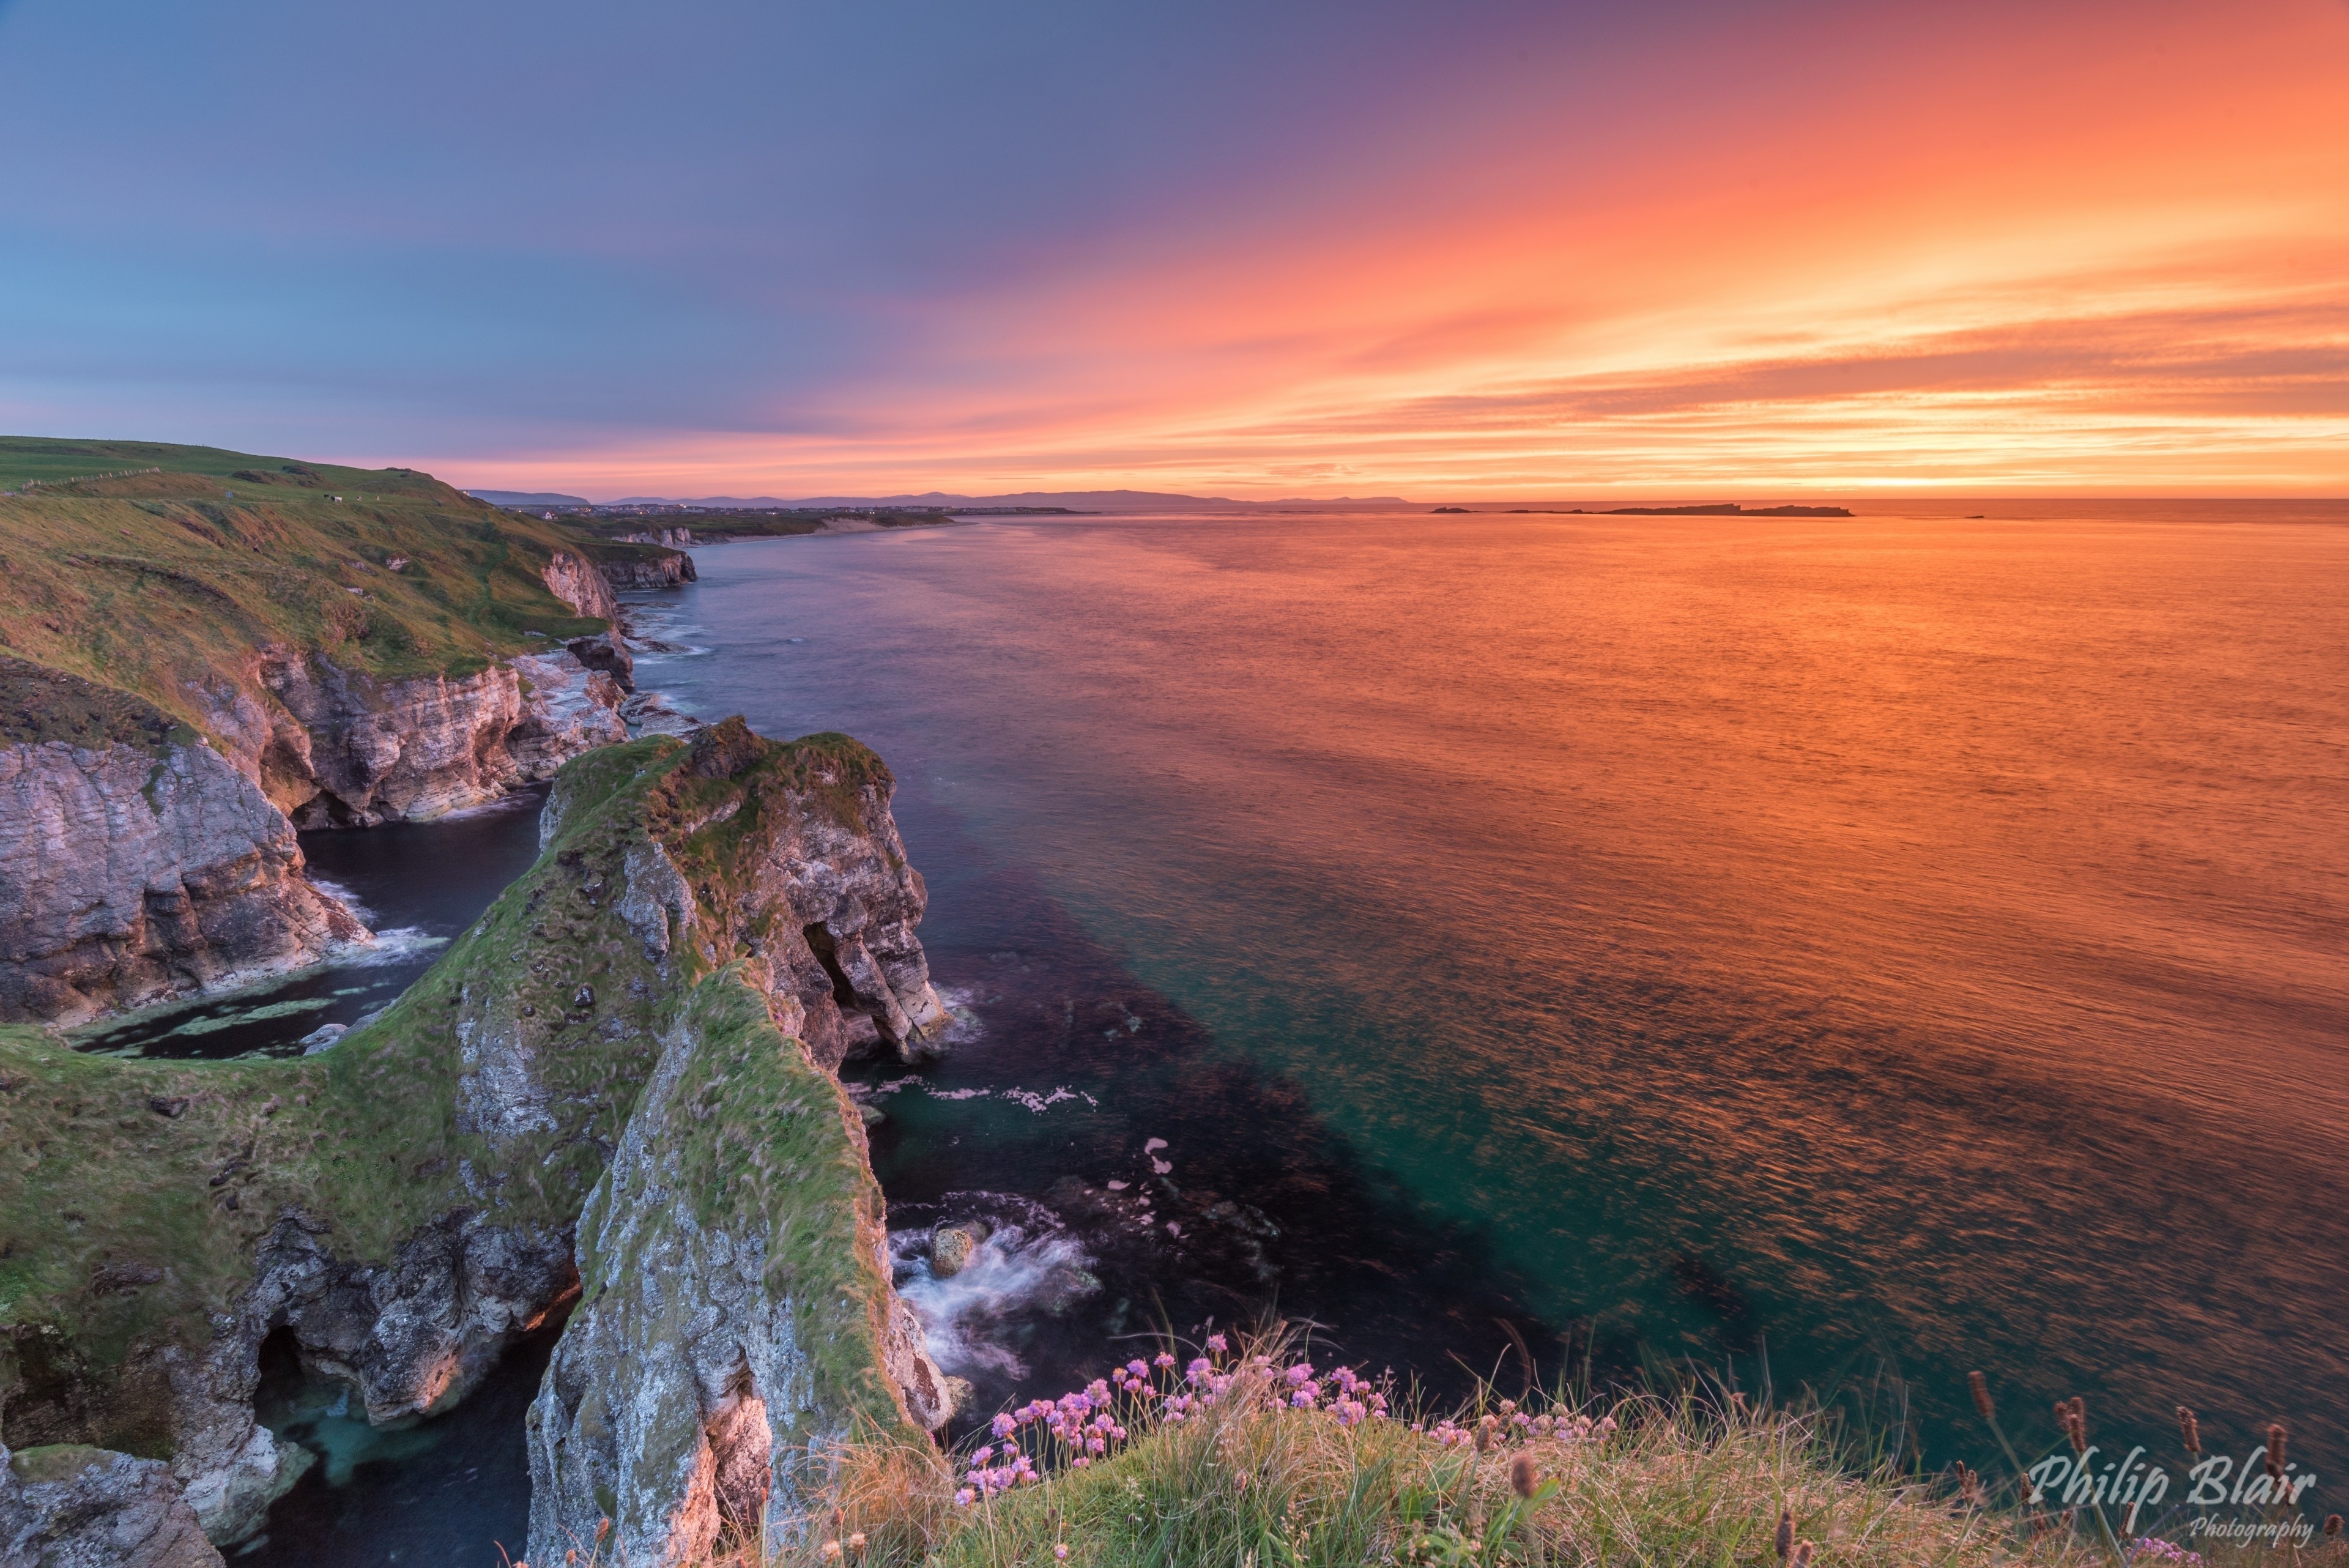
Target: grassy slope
[115,1225]
[146,582]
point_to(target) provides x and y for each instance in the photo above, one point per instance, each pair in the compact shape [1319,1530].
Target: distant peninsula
[1722,508]
[1711,509]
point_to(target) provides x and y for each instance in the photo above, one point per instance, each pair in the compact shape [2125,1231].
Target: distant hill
[528,498]
[1072,500]
[57,461]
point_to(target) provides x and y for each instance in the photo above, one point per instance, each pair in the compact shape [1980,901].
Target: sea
[1817,957]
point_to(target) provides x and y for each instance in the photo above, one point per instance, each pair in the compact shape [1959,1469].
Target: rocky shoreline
[613,1098]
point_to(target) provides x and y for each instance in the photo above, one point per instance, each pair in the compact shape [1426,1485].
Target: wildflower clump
[1087,1425]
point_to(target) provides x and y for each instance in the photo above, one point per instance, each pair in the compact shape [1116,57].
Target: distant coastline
[1713,509]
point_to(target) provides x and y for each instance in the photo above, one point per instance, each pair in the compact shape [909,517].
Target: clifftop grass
[1250,1482]
[150,581]
[39,705]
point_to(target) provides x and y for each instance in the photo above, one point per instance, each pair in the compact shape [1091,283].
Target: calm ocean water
[1809,948]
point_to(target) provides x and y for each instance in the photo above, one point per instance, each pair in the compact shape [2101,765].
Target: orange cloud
[2107,251]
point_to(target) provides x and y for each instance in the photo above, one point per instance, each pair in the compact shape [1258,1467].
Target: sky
[1448,251]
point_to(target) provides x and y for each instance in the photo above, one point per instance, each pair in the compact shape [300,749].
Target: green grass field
[169,577]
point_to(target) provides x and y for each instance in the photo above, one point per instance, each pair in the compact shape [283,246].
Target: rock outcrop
[579,584]
[606,651]
[71,1506]
[649,568]
[734,1327]
[823,912]
[362,752]
[412,1336]
[138,863]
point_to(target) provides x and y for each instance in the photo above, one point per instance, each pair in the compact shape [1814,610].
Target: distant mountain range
[1073,500]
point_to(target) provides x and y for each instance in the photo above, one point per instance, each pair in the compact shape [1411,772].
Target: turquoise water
[1807,949]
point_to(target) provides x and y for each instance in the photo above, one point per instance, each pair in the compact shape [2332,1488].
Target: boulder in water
[950,1250]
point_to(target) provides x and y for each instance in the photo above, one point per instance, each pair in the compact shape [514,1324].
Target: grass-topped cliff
[186,559]
[157,1215]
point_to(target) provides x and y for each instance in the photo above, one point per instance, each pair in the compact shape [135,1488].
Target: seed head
[2275,1450]
[1803,1555]
[1785,1541]
[830,1551]
[1523,1480]
[2188,1431]
[1980,1386]
[856,1542]
[2072,1414]
[2332,1524]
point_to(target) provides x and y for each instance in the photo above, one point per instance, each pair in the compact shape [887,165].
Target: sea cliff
[198,659]
[622,1034]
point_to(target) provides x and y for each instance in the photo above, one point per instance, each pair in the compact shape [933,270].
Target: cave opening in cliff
[827,953]
[286,1390]
[325,809]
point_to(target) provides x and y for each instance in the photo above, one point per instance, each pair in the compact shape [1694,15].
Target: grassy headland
[188,559]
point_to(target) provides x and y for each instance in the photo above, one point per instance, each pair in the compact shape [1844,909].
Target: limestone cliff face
[360,752]
[78,1507]
[579,584]
[128,874]
[669,569]
[737,1318]
[138,863]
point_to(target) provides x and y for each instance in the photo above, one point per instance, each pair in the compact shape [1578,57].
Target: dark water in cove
[1902,944]
[450,1492]
[417,884]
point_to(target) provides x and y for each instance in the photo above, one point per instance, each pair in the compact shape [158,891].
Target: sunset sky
[1257,250]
